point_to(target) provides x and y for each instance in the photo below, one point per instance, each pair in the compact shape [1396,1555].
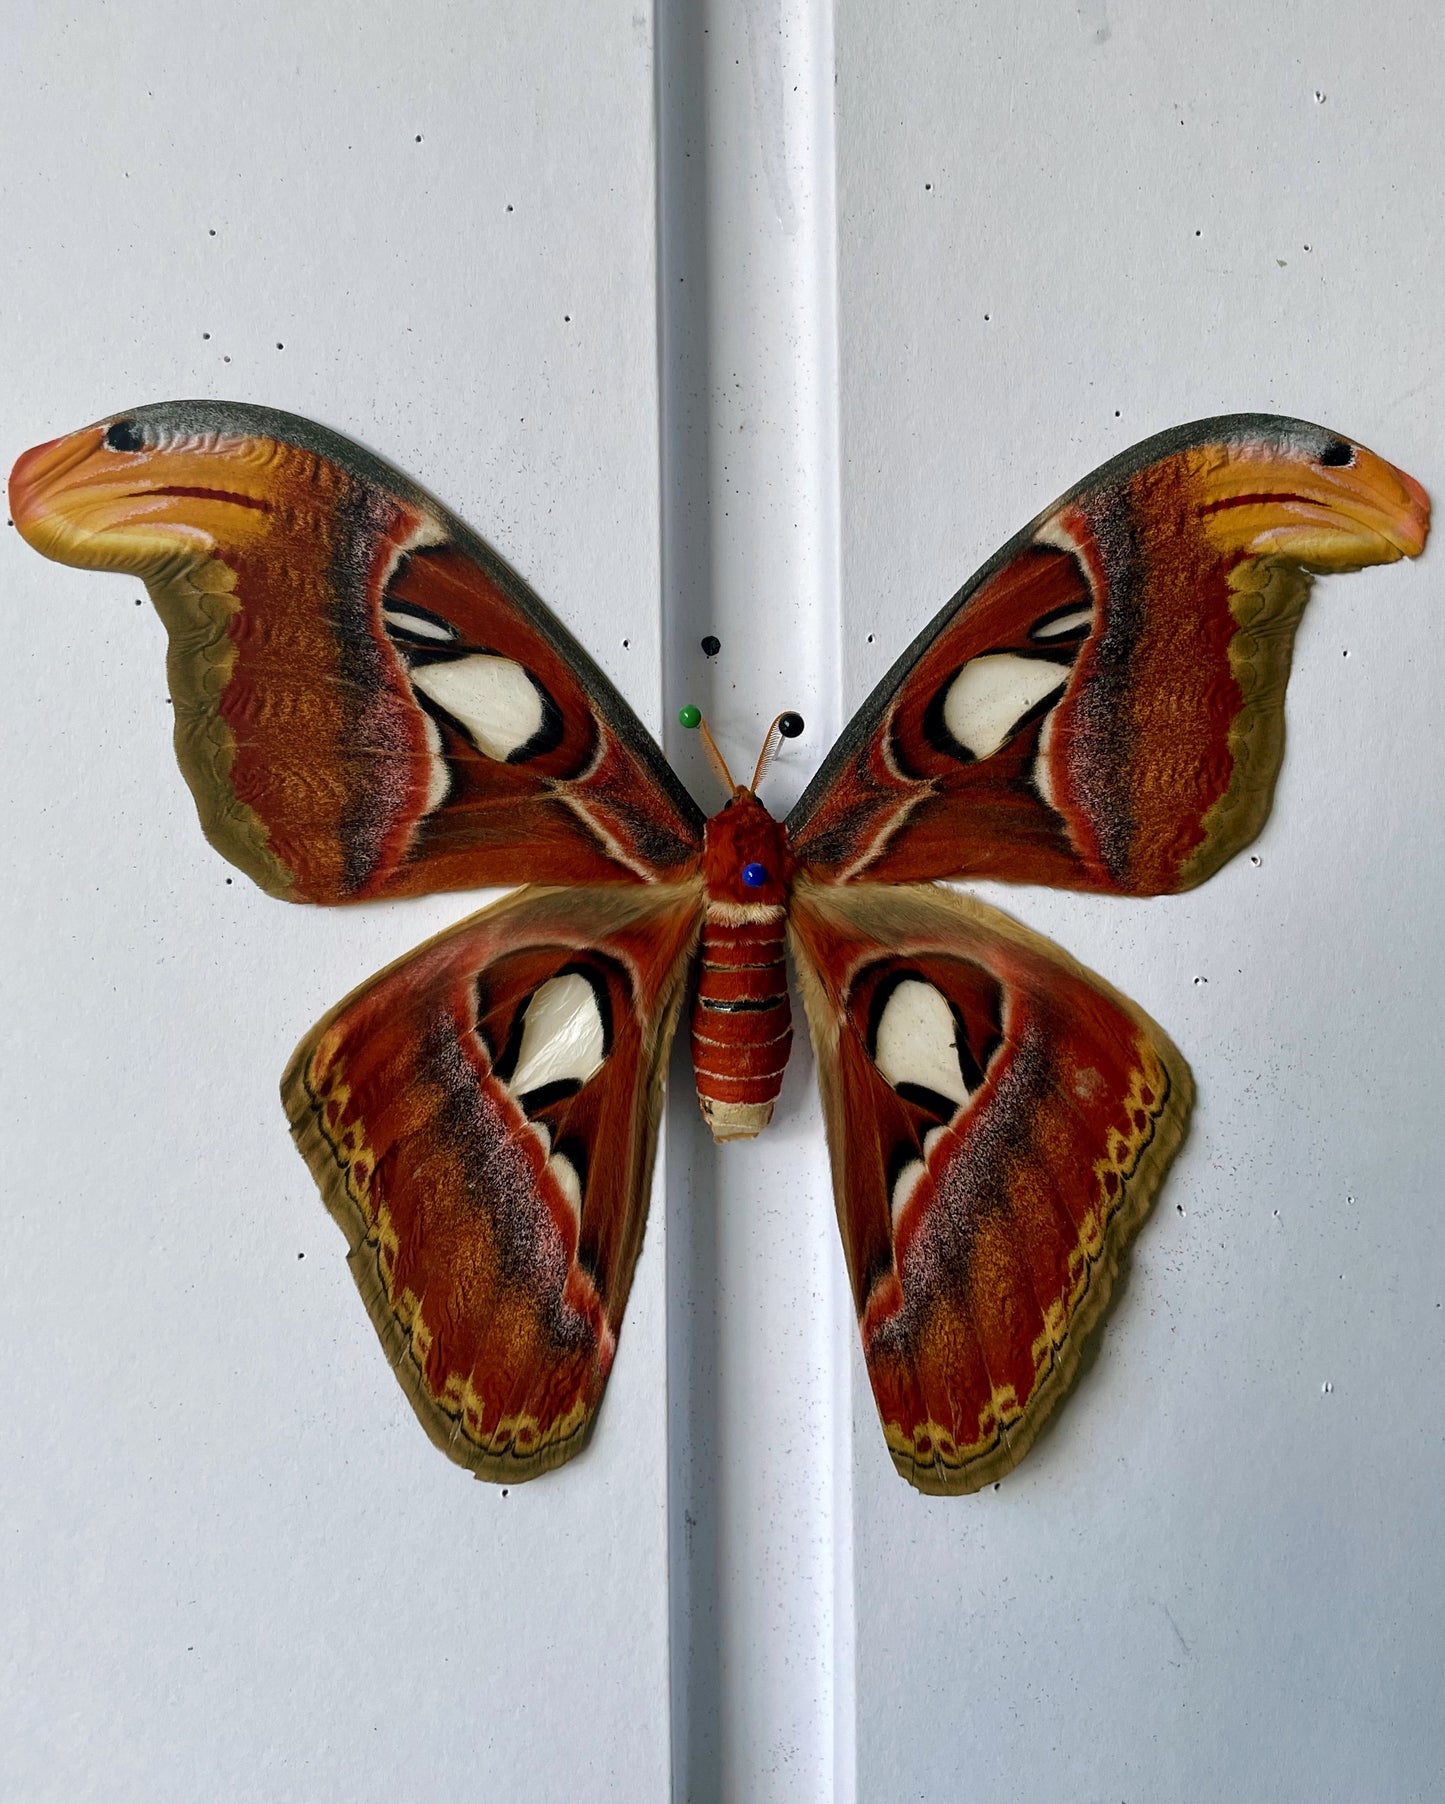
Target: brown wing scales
[369,702]
[997,1133]
[481,1120]
[1101,707]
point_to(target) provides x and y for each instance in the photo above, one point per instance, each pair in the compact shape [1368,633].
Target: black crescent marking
[902,1156]
[424,652]
[532,1102]
[923,1098]
[935,728]
[970,1069]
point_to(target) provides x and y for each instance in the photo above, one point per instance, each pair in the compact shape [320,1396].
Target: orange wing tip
[1415,518]
[1389,501]
[518,1447]
[1129,1177]
[1329,518]
[36,474]
[73,513]
[77,501]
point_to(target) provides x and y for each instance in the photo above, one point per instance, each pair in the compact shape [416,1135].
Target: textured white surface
[1062,228]
[991,695]
[232,1564]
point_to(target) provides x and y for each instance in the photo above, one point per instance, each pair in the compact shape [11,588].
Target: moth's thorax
[743,837]
[742,1024]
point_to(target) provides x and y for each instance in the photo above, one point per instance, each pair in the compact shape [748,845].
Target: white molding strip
[759,1328]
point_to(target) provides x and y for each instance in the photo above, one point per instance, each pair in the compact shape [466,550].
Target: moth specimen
[370,703]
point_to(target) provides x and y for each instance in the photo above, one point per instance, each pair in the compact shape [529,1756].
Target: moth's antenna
[786,726]
[691,718]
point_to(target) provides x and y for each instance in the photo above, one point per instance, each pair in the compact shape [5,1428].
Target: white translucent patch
[904,1186]
[562,1037]
[565,1172]
[932,1138]
[917,1041]
[1089,1085]
[990,695]
[493,698]
[439,776]
[1054,532]
[1066,623]
[1044,761]
[406,622]
[430,530]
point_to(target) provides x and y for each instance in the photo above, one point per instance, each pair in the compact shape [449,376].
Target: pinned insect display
[370,703]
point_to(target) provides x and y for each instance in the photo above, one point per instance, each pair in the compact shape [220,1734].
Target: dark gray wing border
[199,418]
[1243,427]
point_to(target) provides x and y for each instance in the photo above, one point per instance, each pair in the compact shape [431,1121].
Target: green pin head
[689,716]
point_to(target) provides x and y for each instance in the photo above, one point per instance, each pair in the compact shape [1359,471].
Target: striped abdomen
[741,1024]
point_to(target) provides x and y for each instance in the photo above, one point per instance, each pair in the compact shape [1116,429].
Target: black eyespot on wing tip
[1339,454]
[123,435]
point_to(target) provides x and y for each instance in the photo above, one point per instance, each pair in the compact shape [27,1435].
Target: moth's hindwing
[481,1119]
[999,1120]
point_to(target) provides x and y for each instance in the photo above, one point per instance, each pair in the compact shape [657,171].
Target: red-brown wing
[999,1120]
[1102,706]
[481,1119]
[368,701]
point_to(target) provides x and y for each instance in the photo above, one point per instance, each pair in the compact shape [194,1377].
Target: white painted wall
[230,1563]
[1061,228]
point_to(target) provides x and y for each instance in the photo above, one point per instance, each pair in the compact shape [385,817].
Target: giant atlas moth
[370,703]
